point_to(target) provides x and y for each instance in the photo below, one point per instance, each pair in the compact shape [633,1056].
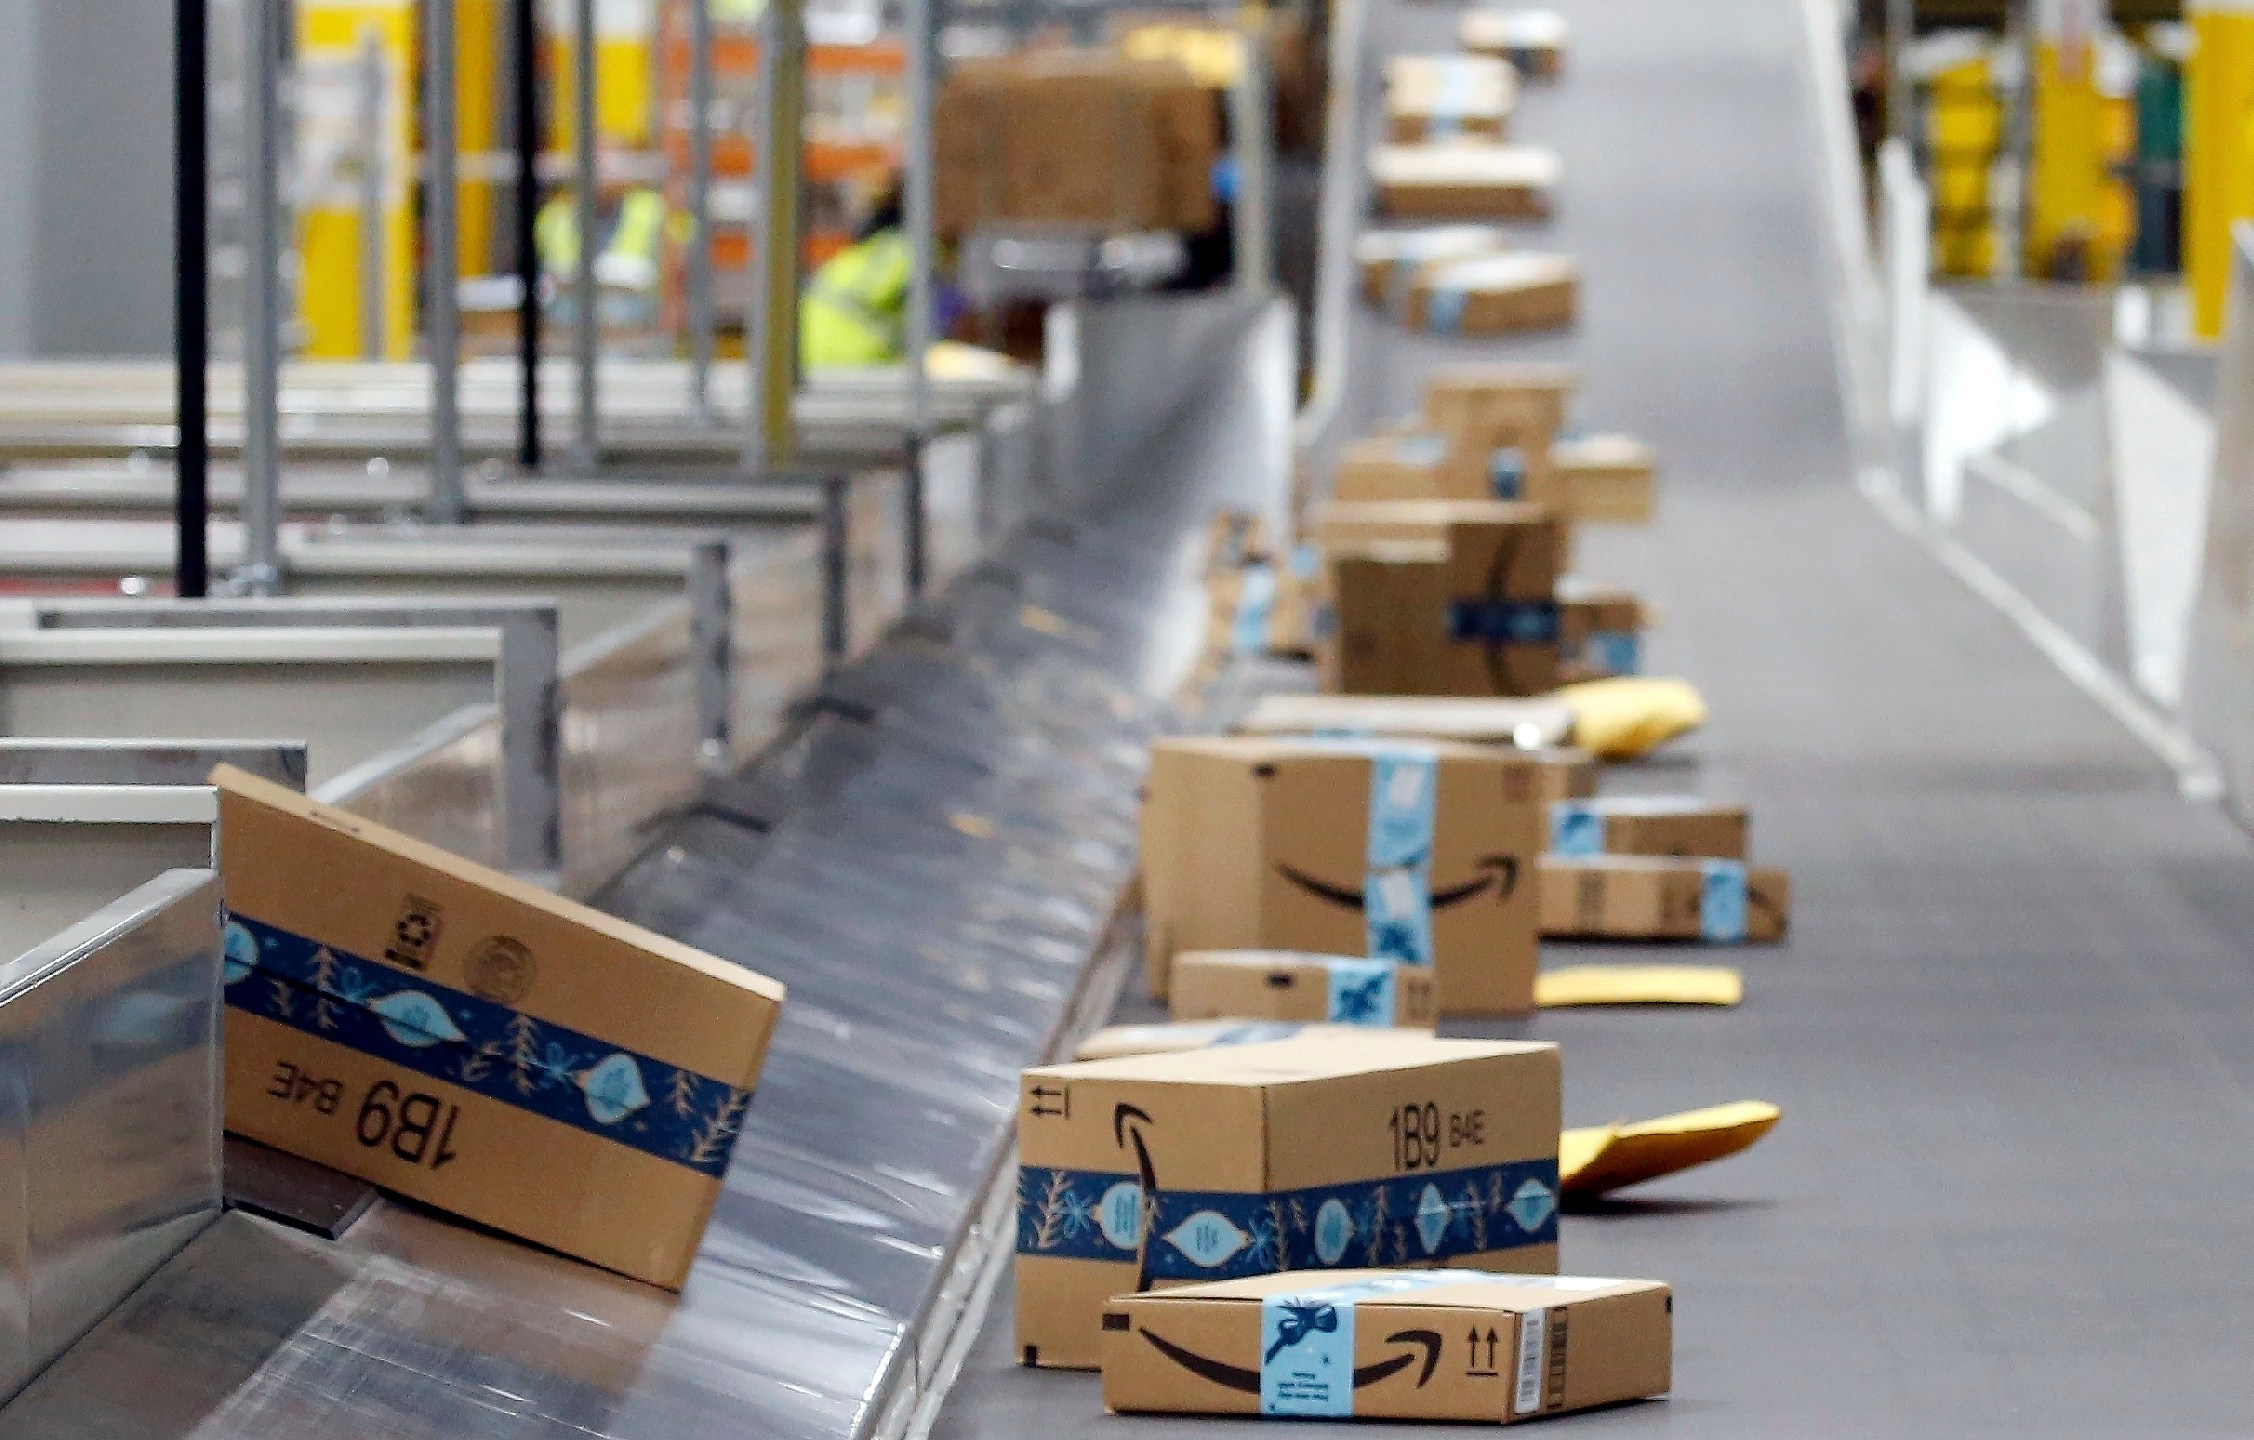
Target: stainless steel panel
[109,1039]
[134,762]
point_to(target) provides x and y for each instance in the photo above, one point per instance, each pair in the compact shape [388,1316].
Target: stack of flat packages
[1442,97]
[1465,180]
[1389,259]
[1533,41]
[1493,295]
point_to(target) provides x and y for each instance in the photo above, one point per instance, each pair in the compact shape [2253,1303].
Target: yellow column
[626,37]
[2067,180]
[477,115]
[330,36]
[2218,189]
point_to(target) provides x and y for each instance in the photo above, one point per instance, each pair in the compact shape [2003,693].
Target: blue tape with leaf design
[433,1030]
[1216,1235]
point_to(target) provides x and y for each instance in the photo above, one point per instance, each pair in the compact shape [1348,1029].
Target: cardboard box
[1306,1154]
[1399,467]
[1675,825]
[1494,295]
[1256,842]
[470,1041]
[1529,724]
[1445,97]
[1506,419]
[1600,631]
[1441,598]
[1640,897]
[1390,1345]
[1533,41]
[1387,259]
[1464,180]
[1297,985]
[1567,773]
[1069,137]
[1607,478]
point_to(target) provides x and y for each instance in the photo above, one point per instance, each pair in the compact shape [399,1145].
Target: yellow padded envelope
[1638,985]
[1598,1159]
[1629,716]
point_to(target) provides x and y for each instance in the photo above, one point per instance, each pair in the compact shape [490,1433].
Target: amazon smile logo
[1496,622]
[1424,1347]
[1499,872]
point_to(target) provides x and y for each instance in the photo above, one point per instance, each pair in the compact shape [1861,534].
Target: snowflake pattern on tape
[1206,1235]
[500,1053]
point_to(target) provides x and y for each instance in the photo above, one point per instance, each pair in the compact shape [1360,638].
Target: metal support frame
[524,39]
[918,217]
[527,690]
[1901,28]
[1251,121]
[370,182]
[699,270]
[441,264]
[837,542]
[261,570]
[712,649]
[191,300]
[773,439]
[146,762]
[587,449]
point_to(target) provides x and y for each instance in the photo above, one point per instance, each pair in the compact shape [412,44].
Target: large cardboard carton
[1390,1345]
[475,1043]
[1307,1154]
[1533,41]
[1442,598]
[1442,97]
[1600,631]
[1069,137]
[1610,479]
[1388,259]
[1464,180]
[1642,897]
[1419,851]
[1676,825]
[1298,985]
[1494,295]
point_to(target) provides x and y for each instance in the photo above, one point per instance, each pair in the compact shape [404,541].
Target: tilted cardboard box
[1533,41]
[475,1043]
[1298,985]
[1609,479]
[1390,1345]
[1682,826]
[1441,97]
[1600,631]
[1441,598]
[1409,850]
[1464,180]
[1643,897]
[1494,295]
[1304,1154]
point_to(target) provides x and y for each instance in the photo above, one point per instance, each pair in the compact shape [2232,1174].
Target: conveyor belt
[2010,1036]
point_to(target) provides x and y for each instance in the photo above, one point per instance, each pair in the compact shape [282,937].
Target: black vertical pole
[191,572]
[526,36]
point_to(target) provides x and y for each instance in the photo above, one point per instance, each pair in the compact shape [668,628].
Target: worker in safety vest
[854,311]
[635,224]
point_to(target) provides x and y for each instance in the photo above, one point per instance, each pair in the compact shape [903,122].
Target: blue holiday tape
[1576,829]
[1256,605]
[1721,901]
[1307,1340]
[1503,622]
[477,1045]
[1362,992]
[1397,888]
[1444,312]
[1506,472]
[1614,652]
[1221,1235]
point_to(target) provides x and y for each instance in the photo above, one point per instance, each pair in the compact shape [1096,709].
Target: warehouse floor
[2010,1034]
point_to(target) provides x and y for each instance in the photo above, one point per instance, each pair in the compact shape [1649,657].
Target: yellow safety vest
[854,309]
[638,238]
